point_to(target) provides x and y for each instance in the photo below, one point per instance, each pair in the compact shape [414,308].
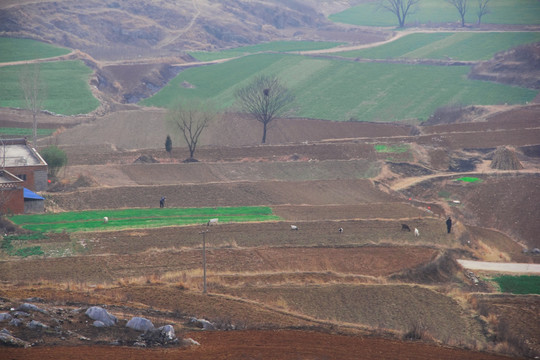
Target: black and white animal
[212,222]
[405,227]
[340,230]
[416,232]
[294,227]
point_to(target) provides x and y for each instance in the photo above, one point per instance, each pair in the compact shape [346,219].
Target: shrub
[168,144]
[55,157]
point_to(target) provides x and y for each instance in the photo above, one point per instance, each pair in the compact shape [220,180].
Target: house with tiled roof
[24,173]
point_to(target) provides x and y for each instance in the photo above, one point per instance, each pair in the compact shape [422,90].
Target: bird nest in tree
[505,159]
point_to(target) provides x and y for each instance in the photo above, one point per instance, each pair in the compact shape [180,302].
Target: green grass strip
[342,90]
[12,49]
[274,46]
[139,218]
[8,247]
[524,284]
[29,251]
[396,149]
[465,46]
[66,83]
[25,131]
[469,179]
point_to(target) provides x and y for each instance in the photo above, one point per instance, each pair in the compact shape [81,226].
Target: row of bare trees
[403,8]
[265,98]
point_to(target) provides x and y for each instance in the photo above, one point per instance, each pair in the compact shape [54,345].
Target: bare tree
[191,118]
[400,8]
[265,98]
[34,93]
[461,7]
[482,10]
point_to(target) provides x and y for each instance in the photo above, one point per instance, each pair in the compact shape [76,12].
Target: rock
[20,314]
[31,307]
[202,323]
[5,317]
[145,159]
[140,324]
[100,314]
[5,331]
[35,299]
[99,324]
[15,322]
[162,336]
[8,340]
[168,332]
[36,325]
[190,341]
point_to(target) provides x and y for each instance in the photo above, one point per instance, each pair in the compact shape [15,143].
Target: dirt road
[502,267]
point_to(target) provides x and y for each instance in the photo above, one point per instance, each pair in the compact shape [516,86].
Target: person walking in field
[449,224]
[162,202]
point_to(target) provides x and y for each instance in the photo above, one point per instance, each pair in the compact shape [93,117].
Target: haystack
[505,159]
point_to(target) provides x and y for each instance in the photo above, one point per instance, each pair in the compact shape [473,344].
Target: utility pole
[204,259]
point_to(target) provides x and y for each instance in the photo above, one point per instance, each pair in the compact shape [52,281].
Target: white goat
[294,227]
[105,219]
[416,232]
[212,222]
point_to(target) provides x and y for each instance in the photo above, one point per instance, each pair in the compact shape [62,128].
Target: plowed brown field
[273,345]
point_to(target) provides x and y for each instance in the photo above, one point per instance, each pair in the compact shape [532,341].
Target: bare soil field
[371,285]
[274,344]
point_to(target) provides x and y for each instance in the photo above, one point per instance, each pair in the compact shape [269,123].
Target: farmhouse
[11,193]
[23,172]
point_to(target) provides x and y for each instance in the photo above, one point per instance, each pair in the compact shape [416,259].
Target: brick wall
[34,177]
[12,201]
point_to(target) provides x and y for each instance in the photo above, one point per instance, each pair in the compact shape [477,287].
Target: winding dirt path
[405,183]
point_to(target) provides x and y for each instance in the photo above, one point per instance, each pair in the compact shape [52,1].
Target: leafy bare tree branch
[34,93]
[265,98]
[482,9]
[461,7]
[190,119]
[400,8]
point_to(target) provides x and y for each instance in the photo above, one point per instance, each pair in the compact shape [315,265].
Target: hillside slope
[130,29]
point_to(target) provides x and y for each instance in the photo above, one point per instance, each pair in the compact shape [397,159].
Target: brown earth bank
[504,201]
[268,344]
[518,319]
[243,193]
[146,129]
[365,261]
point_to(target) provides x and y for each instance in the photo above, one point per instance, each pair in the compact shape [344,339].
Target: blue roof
[32,195]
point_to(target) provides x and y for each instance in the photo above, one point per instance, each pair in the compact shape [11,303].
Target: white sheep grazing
[294,227]
[416,232]
[105,219]
[212,222]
